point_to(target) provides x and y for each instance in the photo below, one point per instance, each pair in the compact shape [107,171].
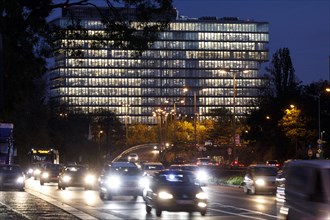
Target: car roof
[153,163]
[262,165]
[311,163]
[122,164]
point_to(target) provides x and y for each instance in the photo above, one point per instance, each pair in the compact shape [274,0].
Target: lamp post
[234,72]
[126,121]
[195,111]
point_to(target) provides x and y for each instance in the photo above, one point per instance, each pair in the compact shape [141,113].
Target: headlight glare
[113,181]
[90,179]
[20,179]
[202,175]
[66,178]
[45,175]
[201,195]
[165,195]
[260,182]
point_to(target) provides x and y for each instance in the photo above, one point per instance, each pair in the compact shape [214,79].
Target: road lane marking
[242,209]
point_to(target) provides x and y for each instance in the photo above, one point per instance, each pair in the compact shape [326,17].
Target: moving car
[150,168]
[50,173]
[307,191]
[11,177]
[260,178]
[176,191]
[120,179]
[76,176]
[133,157]
[273,163]
[200,173]
[204,161]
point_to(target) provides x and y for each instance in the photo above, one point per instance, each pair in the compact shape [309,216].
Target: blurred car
[236,165]
[120,179]
[50,173]
[204,161]
[11,177]
[76,176]
[260,178]
[201,174]
[273,163]
[176,191]
[307,191]
[132,157]
[280,181]
[150,168]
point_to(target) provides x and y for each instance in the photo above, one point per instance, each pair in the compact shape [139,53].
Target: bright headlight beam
[260,182]
[201,195]
[165,195]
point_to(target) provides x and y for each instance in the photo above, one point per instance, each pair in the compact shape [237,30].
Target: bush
[235,180]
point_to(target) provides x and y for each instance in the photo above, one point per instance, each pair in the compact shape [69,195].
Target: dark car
[273,163]
[175,191]
[11,177]
[76,176]
[306,190]
[120,179]
[50,173]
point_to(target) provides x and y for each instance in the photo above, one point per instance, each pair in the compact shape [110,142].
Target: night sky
[300,25]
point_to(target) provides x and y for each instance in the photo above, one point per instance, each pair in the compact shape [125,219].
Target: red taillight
[277,164]
[235,162]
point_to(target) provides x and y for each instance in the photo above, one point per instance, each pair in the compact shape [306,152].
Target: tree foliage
[27,38]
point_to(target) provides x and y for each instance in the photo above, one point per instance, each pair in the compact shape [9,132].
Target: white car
[133,157]
[260,178]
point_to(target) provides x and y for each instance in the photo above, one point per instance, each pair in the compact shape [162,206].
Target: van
[307,191]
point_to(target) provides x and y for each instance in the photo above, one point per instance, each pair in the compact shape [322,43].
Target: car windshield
[125,171]
[5,169]
[176,179]
[76,169]
[153,167]
[265,171]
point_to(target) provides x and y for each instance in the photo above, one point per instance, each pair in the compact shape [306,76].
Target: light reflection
[260,204]
[90,197]
[67,195]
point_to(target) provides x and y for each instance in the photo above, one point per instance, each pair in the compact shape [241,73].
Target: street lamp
[159,113]
[126,121]
[195,111]
[234,72]
[174,106]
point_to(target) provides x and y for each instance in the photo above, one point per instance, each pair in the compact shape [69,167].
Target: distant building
[201,54]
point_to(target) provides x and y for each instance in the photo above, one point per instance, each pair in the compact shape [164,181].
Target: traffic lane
[233,198]
[225,202]
[22,205]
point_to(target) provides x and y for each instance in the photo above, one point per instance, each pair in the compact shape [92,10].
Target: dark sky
[300,25]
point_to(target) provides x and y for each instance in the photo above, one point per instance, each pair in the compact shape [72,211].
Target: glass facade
[211,58]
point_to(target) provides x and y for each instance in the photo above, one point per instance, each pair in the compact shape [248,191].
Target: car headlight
[30,171]
[45,175]
[37,172]
[201,195]
[202,175]
[260,182]
[90,179]
[66,178]
[113,181]
[20,179]
[165,195]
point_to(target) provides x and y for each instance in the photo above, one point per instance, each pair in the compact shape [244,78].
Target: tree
[282,74]
[27,38]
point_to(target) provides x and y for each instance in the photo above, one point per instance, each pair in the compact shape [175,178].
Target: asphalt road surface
[47,202]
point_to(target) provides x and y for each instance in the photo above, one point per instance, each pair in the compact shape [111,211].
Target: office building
[217,59]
